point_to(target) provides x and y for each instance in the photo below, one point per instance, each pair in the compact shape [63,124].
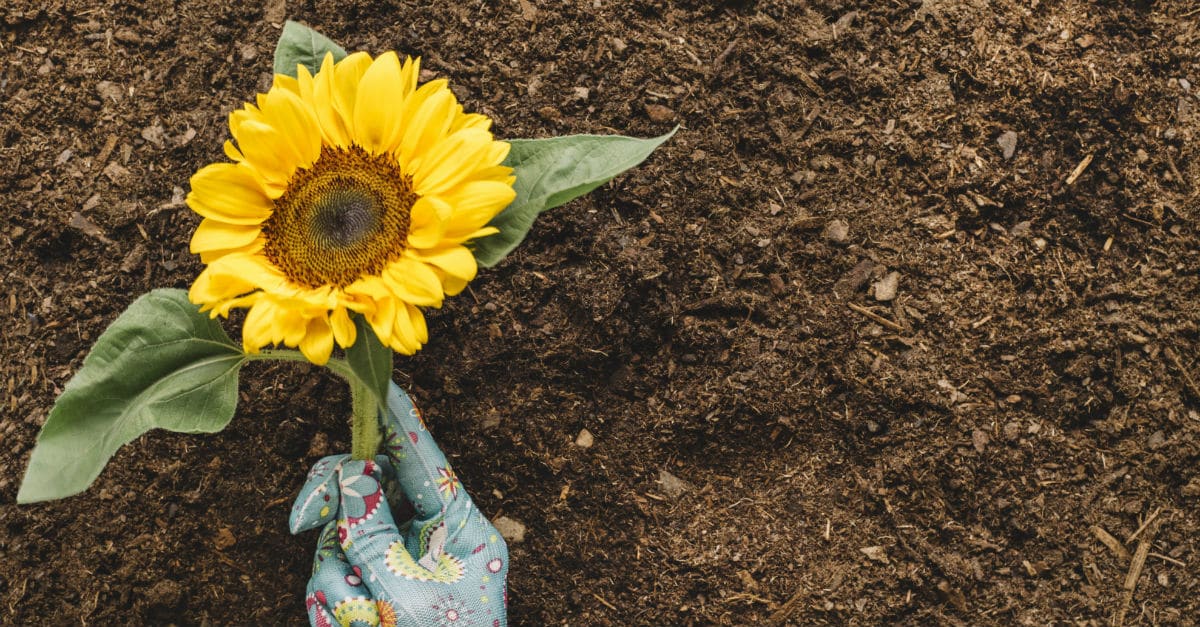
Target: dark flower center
[341,219]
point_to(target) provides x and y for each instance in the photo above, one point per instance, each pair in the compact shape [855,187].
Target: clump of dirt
[901,328]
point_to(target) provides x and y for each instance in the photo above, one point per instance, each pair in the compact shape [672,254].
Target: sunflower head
[352,190]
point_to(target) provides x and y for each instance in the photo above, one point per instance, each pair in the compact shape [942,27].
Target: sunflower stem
[364,421]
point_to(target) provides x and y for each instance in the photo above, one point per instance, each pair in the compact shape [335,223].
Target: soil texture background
[902,328]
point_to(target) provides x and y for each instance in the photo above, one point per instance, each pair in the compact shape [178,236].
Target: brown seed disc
[343,218]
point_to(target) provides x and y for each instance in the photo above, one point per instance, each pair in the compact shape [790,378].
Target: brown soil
[951,456]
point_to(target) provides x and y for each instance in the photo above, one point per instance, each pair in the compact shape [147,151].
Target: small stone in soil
[164,593]
[857,277]
[224,539]
[659,113]
[979,438]
[837,231]
[673,486]
[1008,143]
[778,287]
[875,553]
[513,531]
[585,439]
[81,222]
[319,447]
[885,288]
[109,91]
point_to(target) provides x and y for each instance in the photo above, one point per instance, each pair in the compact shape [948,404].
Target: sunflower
[350,191]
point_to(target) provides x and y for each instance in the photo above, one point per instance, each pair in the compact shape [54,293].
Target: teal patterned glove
[446,566]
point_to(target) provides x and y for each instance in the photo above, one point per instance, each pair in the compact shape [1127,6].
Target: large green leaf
[370,360]
[162,364]
[301,45]
[552,172]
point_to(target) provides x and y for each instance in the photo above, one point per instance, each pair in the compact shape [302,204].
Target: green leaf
[162,364]
[552,172]
[370,360]
[301,45]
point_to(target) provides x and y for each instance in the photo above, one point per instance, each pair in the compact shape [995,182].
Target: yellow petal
[452,286]
[210,288]
[501,173]
[399,289]
[368,296]
[332,126]
[470,120]
[404,335]
[217,235]
[228,192]
[427,222]
[268,152]
[450,161]
[457,262]
[484,232]
[382,319]
[317,344]
[347,73]
[283,81]
[368,288]
[240,116]
[377,124]
[415,282]
[256,330]
[427,116]
[497,153]
[409,74]
[240,302]
[232,152]
[475,204]
[304,82]
[344,330]
[418,322]
[296,125]
[209,256]
[250,269]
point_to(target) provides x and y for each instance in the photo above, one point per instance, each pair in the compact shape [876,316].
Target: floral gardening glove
[446,566]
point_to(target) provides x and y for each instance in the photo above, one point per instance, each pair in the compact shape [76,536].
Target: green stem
[364,421]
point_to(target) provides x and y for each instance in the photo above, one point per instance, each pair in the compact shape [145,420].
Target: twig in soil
[1169,559]
[785,611]
[1080,168]
[715,68]
[753,598]
[808,122]
[1133,218]
[1112,543]
[1108,480]
[1175,171]
[1187,376]
[1135,571]
[605,603]
[876,317]
[1145,524]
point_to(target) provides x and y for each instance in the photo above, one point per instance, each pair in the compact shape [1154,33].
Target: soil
[902,328]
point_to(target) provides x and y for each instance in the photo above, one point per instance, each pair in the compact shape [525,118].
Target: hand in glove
[446,566]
